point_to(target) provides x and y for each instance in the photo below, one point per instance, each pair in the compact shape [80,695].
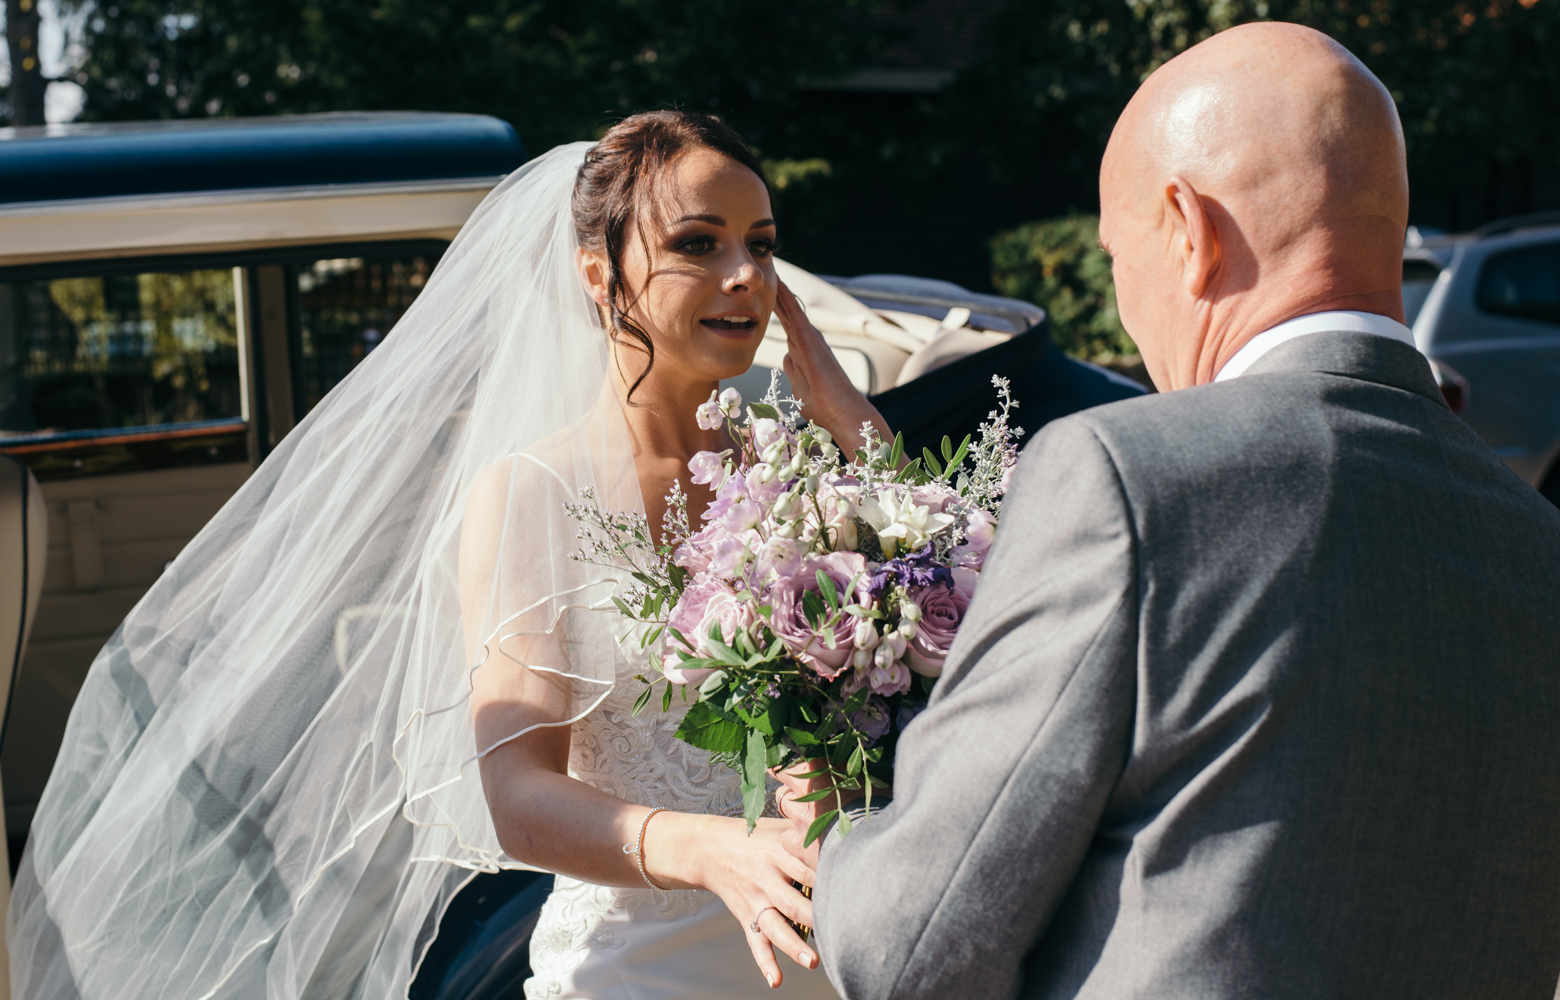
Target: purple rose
[933,496]
[730,553]
[942,612]
[789,621]
[690,611]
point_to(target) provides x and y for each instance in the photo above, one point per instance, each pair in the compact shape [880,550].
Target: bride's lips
[736,325]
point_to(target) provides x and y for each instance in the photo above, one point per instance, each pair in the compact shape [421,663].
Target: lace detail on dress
[639,759]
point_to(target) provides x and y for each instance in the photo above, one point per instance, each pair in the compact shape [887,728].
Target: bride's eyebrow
[761,224]
[713,220]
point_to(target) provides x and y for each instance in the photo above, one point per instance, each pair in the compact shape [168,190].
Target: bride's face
[700,271]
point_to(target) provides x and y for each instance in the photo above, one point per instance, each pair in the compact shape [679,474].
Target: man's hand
[802,814]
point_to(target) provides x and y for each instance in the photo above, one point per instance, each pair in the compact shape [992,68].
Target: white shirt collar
[1322,322]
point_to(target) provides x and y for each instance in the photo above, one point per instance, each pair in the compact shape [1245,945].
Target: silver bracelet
[638,848]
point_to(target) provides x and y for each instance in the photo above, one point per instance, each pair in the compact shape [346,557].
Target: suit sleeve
[1000,783]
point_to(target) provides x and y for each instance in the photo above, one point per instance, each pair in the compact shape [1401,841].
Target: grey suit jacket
[1259,697]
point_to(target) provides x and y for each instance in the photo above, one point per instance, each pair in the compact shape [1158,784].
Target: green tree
[1060,265]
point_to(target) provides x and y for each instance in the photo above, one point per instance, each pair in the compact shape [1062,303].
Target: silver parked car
[1485,308]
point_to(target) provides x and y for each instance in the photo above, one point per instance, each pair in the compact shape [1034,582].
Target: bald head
[1256,177]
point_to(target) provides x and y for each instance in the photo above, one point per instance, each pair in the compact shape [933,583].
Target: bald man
[1259,696]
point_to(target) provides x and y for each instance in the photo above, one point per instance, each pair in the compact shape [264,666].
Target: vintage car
[176,296]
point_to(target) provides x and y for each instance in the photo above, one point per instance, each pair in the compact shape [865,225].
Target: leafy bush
[1058,265]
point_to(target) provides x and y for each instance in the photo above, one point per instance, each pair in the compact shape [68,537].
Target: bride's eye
[762,247]
[695,245]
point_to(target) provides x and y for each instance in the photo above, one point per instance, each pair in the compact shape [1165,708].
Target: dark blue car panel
[147,158]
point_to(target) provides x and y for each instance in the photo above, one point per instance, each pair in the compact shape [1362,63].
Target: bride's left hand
[827,395]
[752,875]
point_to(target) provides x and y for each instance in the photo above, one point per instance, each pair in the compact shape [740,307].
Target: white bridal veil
[267,787]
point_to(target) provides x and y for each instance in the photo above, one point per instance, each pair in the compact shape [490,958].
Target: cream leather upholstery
[24,549]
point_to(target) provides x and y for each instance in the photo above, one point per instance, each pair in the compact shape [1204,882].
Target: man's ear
[1195,243]
[593,271]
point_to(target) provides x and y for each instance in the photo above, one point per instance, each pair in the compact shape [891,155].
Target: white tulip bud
[786,530]
[785,505]
[847,510]
[829,452]
[811,484]
[883,657]
[907,629]
[822,435]
[766,472]
[866,634]
[861,658]
[910,611]
[773,452]
[897,643]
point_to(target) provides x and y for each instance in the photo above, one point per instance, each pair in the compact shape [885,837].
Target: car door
[142,393]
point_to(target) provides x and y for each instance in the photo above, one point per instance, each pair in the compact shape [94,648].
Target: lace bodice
[638,759]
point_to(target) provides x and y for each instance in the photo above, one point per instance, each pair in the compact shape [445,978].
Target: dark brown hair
[617,185]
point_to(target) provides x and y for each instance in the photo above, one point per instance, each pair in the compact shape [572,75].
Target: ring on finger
[754,925]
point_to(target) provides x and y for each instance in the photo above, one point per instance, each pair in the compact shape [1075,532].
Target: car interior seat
[24,548]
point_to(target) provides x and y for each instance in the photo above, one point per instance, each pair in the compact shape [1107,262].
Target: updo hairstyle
[622,181]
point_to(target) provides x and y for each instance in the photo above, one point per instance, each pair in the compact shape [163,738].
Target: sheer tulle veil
[268,786]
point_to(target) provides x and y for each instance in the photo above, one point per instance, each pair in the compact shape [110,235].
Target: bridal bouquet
[809,615]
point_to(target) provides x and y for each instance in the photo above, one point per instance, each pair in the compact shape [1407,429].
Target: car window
[1418,278]
[1523,283]
[118,351]
[346,306]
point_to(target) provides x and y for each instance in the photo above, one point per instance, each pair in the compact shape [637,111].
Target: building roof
[59,162]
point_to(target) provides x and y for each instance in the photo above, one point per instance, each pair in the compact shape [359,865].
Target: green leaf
[821,793]
[654,634]
[958,456]
[764,411]
[853,766]
[713,682]
[947,449]
[802,737]
[642,579]
[677,575]
[708,728]
[666,699]
[854,702]
[776,754]
[806,712]
[770,719]
[815,773]
[642,700]
[898,452]
[813,608]
[754,771]
[830,594]
[931,461]
[818,826]
[680,637]
[844,823]
[626,611]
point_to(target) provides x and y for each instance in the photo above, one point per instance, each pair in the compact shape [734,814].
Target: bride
[378,671]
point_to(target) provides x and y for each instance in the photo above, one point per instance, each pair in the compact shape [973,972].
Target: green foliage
[1059,266]
[559,71]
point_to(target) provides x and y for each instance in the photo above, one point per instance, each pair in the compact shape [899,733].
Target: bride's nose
[746,278]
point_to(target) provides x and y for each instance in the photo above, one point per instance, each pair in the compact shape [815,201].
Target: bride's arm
[827,395]
[550,820]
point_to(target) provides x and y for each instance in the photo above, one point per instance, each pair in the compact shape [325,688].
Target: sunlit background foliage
[917,180]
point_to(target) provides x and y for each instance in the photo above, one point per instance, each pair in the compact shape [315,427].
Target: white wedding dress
[644,944]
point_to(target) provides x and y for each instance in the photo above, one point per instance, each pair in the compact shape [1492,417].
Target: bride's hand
[828,397]
[753,876]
